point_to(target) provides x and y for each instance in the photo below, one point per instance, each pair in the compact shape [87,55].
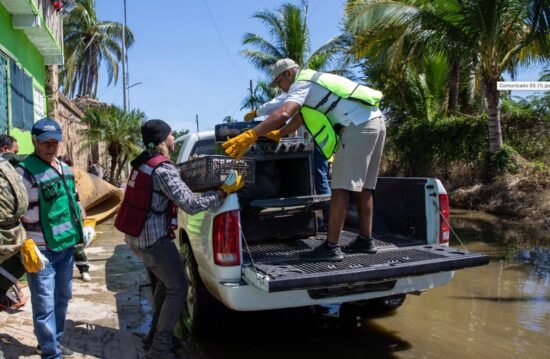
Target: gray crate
[209,172]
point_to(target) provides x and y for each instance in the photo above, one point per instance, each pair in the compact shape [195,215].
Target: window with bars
[22,107]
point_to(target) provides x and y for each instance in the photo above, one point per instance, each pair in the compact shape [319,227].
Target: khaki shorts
[357,158]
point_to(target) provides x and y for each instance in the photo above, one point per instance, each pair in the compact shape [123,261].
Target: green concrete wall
[16,45]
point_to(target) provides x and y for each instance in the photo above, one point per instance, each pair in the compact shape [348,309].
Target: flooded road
[501,310]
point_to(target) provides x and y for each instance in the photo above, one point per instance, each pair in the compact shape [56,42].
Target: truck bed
[276,266]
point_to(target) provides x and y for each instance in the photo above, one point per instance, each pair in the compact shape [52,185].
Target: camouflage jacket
[13,204]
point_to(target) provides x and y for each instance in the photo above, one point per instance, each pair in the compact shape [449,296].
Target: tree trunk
[454,85]
[121,166]
[470,106]
[52,86]
[493,111]
[113,168]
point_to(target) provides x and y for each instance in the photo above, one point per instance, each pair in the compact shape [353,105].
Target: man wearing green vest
[320,162]
[343,118]
[54,222]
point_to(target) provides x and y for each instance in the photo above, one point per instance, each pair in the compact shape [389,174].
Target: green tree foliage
[422,148]
[484,38]
[88,43]
[432,148]
[178,144]
[261,94]
[526,125]
[120,132]
[418,91]
[287,26]
[228,119]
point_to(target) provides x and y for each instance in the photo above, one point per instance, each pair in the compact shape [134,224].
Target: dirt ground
[515,197]
[104,315]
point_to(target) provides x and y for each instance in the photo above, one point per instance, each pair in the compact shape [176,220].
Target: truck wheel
[200,306]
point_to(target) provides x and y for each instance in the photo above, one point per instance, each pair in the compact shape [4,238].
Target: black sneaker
[324,253]
[361,245]
[65,352]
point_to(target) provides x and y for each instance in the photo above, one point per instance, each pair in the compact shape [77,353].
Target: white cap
[280,67]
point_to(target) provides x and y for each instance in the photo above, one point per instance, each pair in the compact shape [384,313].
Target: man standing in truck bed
[327,102]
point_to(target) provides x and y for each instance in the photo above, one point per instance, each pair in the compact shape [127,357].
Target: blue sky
[186,55]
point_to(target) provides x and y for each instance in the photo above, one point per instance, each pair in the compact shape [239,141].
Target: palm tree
[261,94]
[118,130]
[428,85]
[290,39]
[90,42]
[228,119]
[495,36]
[177,146]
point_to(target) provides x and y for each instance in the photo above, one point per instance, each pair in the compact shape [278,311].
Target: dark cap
[46,129]
[154,132]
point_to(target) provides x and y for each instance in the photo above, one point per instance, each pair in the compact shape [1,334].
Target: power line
[187,100]
[222,40]
[315,8]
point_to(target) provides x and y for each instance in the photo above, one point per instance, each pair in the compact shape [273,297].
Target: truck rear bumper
[278,267]
[244,297]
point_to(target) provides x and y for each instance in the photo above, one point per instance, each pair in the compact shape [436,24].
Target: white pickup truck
[246,254]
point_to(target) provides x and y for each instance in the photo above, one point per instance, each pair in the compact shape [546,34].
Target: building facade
[31,38]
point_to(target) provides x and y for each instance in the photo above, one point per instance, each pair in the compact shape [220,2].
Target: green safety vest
[318,123]
[60,216]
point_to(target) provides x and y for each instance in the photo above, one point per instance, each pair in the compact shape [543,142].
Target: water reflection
[498,237]
[501,310]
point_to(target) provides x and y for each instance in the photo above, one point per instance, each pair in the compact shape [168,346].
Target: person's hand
[32,259]
[249,116]
[274,135]
[88,231]
[233,182]
[237,146]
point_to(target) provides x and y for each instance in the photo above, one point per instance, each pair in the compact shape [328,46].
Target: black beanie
[154,132]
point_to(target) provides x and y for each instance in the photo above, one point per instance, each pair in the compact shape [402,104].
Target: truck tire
[200,307]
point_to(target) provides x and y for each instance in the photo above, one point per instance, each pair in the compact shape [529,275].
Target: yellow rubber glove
[233,182]
[274,135]
[249,116]
[88,230]
[237,146]
[32,259]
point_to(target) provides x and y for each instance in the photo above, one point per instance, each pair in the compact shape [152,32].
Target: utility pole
[197,120]
[124,64]
[251,97]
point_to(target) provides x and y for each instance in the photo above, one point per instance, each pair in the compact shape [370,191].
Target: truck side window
[204,147]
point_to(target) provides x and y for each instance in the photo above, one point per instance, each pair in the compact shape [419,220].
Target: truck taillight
[226,237]
[444,219]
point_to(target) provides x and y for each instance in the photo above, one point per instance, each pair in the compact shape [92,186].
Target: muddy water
[501,310]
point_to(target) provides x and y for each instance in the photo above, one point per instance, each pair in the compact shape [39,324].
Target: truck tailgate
[276,266]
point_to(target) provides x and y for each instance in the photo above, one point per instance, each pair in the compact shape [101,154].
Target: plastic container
[209,172]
